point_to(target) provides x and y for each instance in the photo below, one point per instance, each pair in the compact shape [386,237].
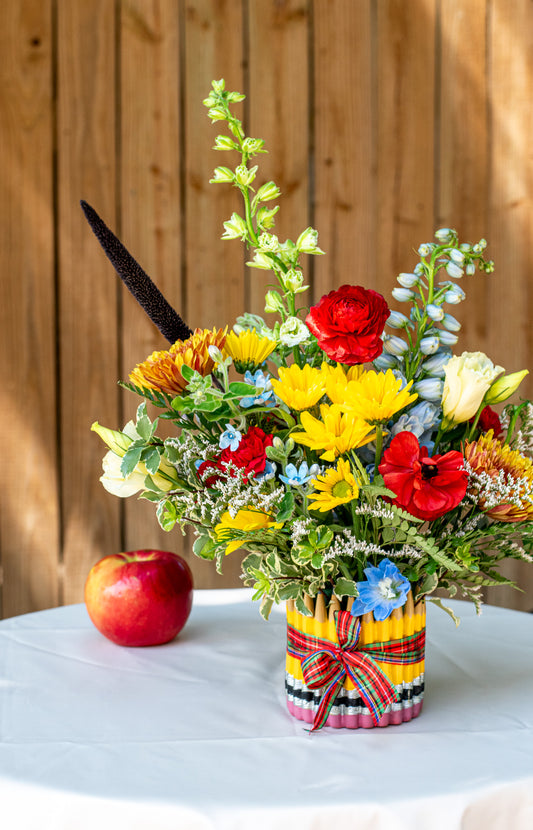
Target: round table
[195,734]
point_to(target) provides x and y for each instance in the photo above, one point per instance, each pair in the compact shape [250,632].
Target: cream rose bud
[466,380]
[293,332]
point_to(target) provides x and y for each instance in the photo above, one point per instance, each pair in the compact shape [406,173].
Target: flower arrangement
[343,446]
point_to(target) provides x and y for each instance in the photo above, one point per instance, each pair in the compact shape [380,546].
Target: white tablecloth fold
[195,734]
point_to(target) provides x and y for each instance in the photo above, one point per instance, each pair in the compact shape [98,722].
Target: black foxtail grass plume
[137,281]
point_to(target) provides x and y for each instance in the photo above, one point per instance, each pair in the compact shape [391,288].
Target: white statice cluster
[236,492]
[380,510]
[232,493]
[468,526]
[491,490]
[516,550]
[523,437]
[300,529]
[189,448]
[407,552]
[346,544]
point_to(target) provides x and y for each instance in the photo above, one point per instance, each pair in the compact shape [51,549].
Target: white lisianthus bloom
[113,480]
[293,332]
[115,483]
[466,380]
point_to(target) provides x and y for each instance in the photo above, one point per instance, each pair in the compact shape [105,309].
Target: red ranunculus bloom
[348,324]
[489,419]
[426,487]
[250,456]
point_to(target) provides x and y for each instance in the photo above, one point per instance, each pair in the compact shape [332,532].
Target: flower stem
[379,447]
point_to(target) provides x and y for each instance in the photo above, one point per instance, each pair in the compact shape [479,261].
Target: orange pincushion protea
[501,479]
[162,370]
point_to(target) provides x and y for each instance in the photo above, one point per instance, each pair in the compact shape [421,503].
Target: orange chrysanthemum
[500,479]
[162,370]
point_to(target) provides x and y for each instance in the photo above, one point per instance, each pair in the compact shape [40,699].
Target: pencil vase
[354,672]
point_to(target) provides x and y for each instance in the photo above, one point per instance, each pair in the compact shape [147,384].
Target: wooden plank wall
[384,119]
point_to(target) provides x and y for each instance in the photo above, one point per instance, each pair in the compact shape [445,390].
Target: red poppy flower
[426,487]
[250,456]
[489,419]
[348,324]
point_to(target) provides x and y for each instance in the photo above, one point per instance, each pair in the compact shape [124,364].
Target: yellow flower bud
[117,441]
[504,387]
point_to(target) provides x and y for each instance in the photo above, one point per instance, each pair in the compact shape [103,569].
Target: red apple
[139,598]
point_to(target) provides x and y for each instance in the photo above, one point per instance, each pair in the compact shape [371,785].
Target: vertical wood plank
[87,288]
[510,294]
[279,110]
[29,517]
[344,211]
[405,134]
[214,268]
[462,164]
[150,202]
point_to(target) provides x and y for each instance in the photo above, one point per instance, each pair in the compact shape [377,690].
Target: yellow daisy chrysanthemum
[354,372]
[377,396]
[299,388]
[162,370]
[248,349]
[340,372]
[337,432]
[500,479]
[336,486]
[246,519]
[336,382]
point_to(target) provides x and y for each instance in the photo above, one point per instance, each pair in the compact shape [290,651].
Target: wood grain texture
[463,182]
[214,269]
[150,209]
[279,113]
[213,48]
[88,355]
[509,290]
[405,134]
[29,515]
[344,121]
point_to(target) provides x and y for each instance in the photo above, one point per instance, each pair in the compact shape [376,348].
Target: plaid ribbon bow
[326,664]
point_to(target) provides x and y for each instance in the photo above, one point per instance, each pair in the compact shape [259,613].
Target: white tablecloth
[195,734]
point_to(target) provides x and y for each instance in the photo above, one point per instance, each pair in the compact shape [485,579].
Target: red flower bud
[489,419]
